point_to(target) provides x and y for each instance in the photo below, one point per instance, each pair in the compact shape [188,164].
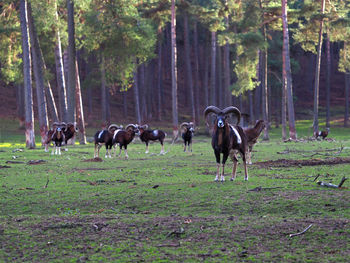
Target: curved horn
[55,124]
[112,126]
[145,126]
[210,109]
[234,111]
[184,124]
[130,125]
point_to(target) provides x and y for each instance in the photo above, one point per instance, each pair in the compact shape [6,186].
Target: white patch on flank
[239,140]
[155,132]
[100,134]
[115,133]
[319,133]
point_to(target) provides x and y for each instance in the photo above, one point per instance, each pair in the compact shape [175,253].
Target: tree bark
[174,70]
[287,73]
[196,71]
[79,107]
[251,107]
[317,74]
[61,82]
[264,102]
[219,85]
[328,82]
[137,97]
[39,77]
[103,92]
[71,83]
[206,74]
[27,77]
[213,99]
[346,114]
[189,67]
[159,82]
[20,105]
[227,78]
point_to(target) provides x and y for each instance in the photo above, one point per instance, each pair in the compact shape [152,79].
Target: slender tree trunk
[159,81]
[71,83]
[137,97]
[264,102]
[213,70]
[328,82]
[27,77]
[174,70]
[125,104]
[284,110]
[227,78]
[346,114]
[79,107]
[189,67]
[206,75]
[196,70]
[220,92]
[258,90]
[317,74]
[61,82]
[20,105]
[142,91]
[251,107]
[287,73]
[103,92]
[39,78]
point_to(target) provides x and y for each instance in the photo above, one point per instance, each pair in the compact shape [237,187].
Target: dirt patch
[311,162]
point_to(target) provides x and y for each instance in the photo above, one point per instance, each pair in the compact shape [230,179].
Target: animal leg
[59,150]
[185,147]
[234,169]
[126,154]
[223,173]
[245,168]
[217,172]
[162,150]
[147,151]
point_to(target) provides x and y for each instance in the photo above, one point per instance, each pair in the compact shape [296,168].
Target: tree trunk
[137,97]
[27,77]
[71,83]
[328,82]
[159,81]
[61,82]
[251,107]
[346,114]
[206,74]
[20,105]
[227,78]
[220,92]
[125,104]
[174,70]
[103,92]
[213,99]
[79,107]
[196,71]
[264,102]
[39,77]
[317,74]
[287,73]
[189,67]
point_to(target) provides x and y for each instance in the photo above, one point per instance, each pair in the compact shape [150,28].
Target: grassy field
[167,208]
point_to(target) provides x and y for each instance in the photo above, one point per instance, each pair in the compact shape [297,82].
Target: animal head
[142,128]
[221,116]
[133,128]
[187,126]
[113,127]
[72,127]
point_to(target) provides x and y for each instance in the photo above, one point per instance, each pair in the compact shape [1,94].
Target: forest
[165,61]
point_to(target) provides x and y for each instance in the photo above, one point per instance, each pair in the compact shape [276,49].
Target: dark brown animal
[322,134]
[187,131]
[57,136]
[105,137]
[227,139]
[147,135]
[124,137]
[252,137]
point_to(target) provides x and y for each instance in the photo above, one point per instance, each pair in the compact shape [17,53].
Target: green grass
[166,208]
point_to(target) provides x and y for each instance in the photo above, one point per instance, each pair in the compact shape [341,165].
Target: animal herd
[228,140]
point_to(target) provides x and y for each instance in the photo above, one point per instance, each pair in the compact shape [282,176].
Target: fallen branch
[317,177]
[259,188]
[301,233]
[47,183]
[333,185]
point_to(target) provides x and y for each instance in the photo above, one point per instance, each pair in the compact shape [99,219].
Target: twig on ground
[300,233]
[47,183]
[333,185]
[259,188]
[317,177]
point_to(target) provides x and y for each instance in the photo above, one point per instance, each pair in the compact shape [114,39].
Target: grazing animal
[322,134]
[252,135]
[147,135]
[227,140]
[57,136]
[105,137]
[124,137]
[187,134]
